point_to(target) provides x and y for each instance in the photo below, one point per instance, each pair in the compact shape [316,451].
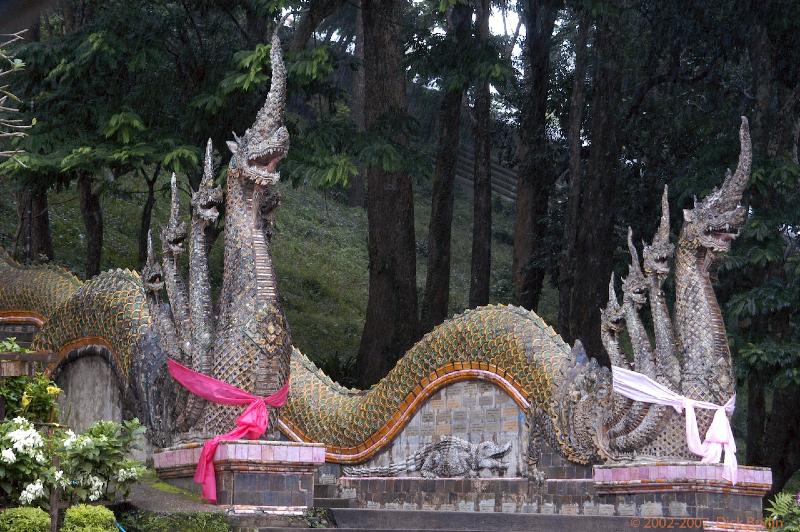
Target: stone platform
[664,495]
[251,474]
[685,490]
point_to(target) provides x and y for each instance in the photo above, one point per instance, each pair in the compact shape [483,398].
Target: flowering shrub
[92,465]
[784,512]
[97,459]
[22,461]
[34,398]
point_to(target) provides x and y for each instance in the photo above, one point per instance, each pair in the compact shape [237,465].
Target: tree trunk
[392,323]
[481,267]
[318,10]
[577,102]
[437,279]
[756,417]
[33,240]
[594,232]
[536,175]
[147,215]
[355,193]
[782,434]
[92,213]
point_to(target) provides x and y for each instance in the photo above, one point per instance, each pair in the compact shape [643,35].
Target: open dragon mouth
[263,167]
[721,236]
[658,263]
[176,245]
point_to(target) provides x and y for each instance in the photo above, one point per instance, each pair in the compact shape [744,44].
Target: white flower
[33,491]
[26,440]
[8,456]
[19,420]
[60,480]
[40,457]
[70,439]
[96,486]
[124,475]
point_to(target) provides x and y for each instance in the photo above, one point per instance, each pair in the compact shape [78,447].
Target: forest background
[445,154]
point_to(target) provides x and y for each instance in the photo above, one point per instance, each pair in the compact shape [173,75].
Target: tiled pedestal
[685,491]
[251,474]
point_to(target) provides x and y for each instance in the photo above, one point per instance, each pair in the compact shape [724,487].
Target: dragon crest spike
[152,273]
[662,234]
[732,188]
[272,111]
[175,211]
[634,266]
[208,166]
[612,293]
[151,256]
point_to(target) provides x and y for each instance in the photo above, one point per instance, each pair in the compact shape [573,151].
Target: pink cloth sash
[719,436]
[251,424]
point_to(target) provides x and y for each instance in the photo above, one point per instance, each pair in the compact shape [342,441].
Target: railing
[18,364]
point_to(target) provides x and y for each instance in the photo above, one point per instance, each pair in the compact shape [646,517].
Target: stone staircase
[359,519]
[327,496]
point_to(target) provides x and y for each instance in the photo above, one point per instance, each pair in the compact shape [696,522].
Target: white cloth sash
[719,436]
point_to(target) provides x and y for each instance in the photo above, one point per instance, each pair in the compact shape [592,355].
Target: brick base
[680,494]
[684,490]
[272,475]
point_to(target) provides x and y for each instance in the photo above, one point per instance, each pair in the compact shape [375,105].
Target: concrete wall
[90,393]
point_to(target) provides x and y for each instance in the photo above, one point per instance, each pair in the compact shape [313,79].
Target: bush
[84,518]
[24,520]
[139,521]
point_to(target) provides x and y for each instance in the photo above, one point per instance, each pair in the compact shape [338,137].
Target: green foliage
[784,512]
[140,521]
[84,518]
[34,398]
[24,519]
[10,345]
[763,277]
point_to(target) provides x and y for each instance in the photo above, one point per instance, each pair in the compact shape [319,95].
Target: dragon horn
[730,193]
[634,267]
[271,115]
[151,255]
[663,227]
[612,293]
[208,167]
[175,211]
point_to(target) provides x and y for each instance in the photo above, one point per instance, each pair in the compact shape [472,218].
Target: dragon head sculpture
[613,316]
[173,235]
[634,286]
[584,407]
[715,221]
[256,154]
[207,199]
[152,274]
[658,254]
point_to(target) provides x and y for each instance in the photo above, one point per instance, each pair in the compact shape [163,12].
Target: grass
[320,255]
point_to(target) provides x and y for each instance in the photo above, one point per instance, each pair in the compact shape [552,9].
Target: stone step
[340,530]
[333,502]
[326,491]
[368,519]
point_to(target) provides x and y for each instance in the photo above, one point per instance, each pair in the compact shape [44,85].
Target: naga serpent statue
[244,337]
